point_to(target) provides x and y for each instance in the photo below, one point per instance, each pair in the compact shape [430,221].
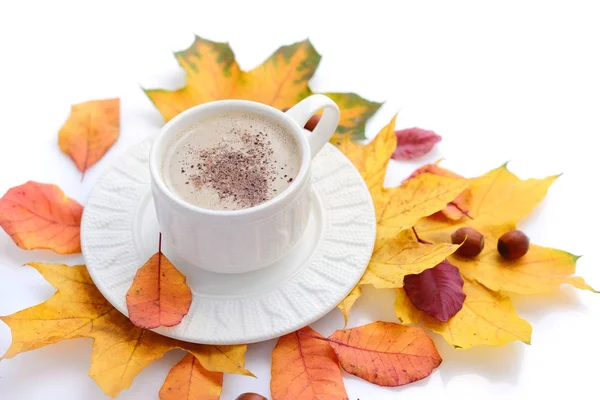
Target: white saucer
[119,232]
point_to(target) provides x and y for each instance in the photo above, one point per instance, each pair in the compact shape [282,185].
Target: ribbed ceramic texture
[331,268]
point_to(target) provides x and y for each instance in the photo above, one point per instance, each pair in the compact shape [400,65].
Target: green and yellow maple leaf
[212,73]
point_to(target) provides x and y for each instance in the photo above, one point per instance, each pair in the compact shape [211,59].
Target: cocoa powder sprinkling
[240,173]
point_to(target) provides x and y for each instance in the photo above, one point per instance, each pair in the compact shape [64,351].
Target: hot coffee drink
[231,161]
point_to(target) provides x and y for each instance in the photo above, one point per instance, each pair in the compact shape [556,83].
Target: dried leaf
[437,291]
[390,264]
[354,112]
[188,380]
[280,81]
[91,129]
[40,216]
[385,353]
[414,143]
[499,196]
[486,318]
[158,295]
[305,367]
[121,350]
[398,208]
[541,270]
[457,208]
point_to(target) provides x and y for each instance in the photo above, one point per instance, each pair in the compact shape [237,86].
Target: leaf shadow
[22,257]
[504,363]
[494,363]
[354,381]
[535,308]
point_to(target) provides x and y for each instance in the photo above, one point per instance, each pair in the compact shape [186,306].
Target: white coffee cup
[248,239]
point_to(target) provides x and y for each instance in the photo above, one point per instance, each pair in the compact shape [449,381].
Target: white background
[516,81]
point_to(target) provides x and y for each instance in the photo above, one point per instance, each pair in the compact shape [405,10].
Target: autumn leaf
[499,200]
[399,208]
[305,367]
[188,380]
[396,210]
[461,205]
[396,259]
[486,318]
[437,291]
[413,143]
[40,216]
[120,350]
[354,113]
[212,73]
[158,295]
[91,129]
[386,354]
[541,270]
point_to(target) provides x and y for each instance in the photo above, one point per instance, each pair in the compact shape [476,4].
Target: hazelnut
[311,123]
[473,244]
[250,396]
[513,245]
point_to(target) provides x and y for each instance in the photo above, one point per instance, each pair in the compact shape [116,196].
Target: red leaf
[413,143]
[437,291]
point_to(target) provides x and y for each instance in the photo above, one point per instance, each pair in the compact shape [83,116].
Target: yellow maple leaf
[120,350]
[397,253]
[401,207]
[212,73]
[500,199]
[486,318]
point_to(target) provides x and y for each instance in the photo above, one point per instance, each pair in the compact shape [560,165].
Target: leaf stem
[418,238]
[466,214]
[315,337]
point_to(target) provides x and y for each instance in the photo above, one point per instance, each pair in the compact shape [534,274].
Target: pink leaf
[437,291]
[413,143]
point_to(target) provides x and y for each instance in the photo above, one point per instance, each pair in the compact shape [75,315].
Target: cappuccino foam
[231,161]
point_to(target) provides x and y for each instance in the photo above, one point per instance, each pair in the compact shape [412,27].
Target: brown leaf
[40,216]
[158,295]
[305,367]
[385,353]
[91,129]
[188,380]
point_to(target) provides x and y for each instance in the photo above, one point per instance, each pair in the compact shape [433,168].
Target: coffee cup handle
[327,125]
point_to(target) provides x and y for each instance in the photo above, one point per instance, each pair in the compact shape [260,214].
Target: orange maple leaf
[40,216]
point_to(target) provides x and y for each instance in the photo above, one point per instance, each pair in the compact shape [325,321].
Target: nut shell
[473,241]
[250,396]
[513,245]
[311,124]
